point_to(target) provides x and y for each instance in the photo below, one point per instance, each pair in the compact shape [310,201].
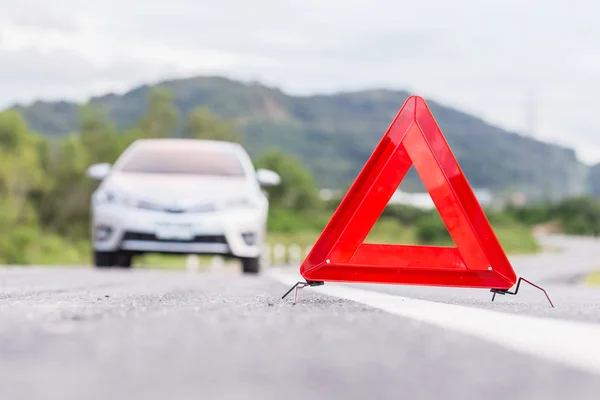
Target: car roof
[186,143]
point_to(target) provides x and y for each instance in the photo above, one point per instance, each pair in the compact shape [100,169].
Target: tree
[13,130]
[21,175]
[298,190]
[20,169]
[98,134]
[202,124]
[161,117]
[65,207]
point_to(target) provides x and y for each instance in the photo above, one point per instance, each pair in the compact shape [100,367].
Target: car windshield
[189,161]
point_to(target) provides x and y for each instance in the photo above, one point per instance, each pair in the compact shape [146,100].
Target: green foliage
[431,229]
[404,214]
[593,279]
[531,215]
[202,124]
[45,193]
[501,218]
[298,190]
[13,131]
[98,134]
[23,179]
[333,135]
[574,216]
[594,180]
[516,238]
[161,117]
[289,227]
[44,190]
[289,221]
[580,216]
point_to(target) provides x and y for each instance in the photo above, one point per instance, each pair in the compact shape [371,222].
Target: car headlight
[108,197]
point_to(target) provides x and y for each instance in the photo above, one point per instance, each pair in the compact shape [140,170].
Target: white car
[180,196]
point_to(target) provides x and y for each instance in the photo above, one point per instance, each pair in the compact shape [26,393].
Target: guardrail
[274,255]
[280,254]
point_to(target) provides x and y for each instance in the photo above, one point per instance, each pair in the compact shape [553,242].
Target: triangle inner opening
[410,217]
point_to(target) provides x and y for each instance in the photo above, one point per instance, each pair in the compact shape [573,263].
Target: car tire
[124,260]
[104,259]
[251,265]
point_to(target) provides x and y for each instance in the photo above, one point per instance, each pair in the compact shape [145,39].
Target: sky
[529,66]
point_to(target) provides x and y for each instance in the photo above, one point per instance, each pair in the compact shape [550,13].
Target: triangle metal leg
[506,291]
[300,285]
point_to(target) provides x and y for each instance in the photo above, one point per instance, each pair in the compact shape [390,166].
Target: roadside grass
[515,239]
[52,250]
[383,232]
[593,279]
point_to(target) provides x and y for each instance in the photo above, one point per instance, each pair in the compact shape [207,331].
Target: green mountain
[334,134]
[594,180]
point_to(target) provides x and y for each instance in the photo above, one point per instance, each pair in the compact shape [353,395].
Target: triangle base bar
[394,274]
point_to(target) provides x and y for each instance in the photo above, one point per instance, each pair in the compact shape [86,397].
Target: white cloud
[483,57]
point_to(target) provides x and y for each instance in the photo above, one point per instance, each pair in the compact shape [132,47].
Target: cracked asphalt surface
[80,333]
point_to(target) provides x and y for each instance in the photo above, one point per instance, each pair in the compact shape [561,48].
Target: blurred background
[308,88]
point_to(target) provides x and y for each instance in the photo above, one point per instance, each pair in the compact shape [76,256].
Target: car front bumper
[236,233]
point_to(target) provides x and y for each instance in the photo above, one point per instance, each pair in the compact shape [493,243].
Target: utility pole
[531,128]
[531,112]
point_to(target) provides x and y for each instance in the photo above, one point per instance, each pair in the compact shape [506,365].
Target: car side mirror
[99,171]
[266,177]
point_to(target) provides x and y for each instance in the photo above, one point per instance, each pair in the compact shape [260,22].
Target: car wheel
[104,259]
[124,260]
[251,265]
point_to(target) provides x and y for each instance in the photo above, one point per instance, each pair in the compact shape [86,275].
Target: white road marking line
[570,343]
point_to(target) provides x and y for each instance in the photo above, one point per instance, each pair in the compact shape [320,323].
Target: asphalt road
[558,270]
[78,333]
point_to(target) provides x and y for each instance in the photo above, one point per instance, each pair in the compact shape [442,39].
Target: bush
[531,215]
[431,229]
[54,249]
[579,216]
[497,218]
[406,215]
[285,221]
[15,246]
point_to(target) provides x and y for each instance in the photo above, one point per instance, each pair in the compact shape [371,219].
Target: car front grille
[175,209]
[149,237]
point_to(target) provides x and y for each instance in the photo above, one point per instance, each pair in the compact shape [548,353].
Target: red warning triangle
[340,253]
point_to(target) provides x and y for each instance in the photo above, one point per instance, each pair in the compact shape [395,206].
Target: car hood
[178,189]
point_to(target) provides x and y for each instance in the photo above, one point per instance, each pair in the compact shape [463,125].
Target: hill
[594,181]
[334,134]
